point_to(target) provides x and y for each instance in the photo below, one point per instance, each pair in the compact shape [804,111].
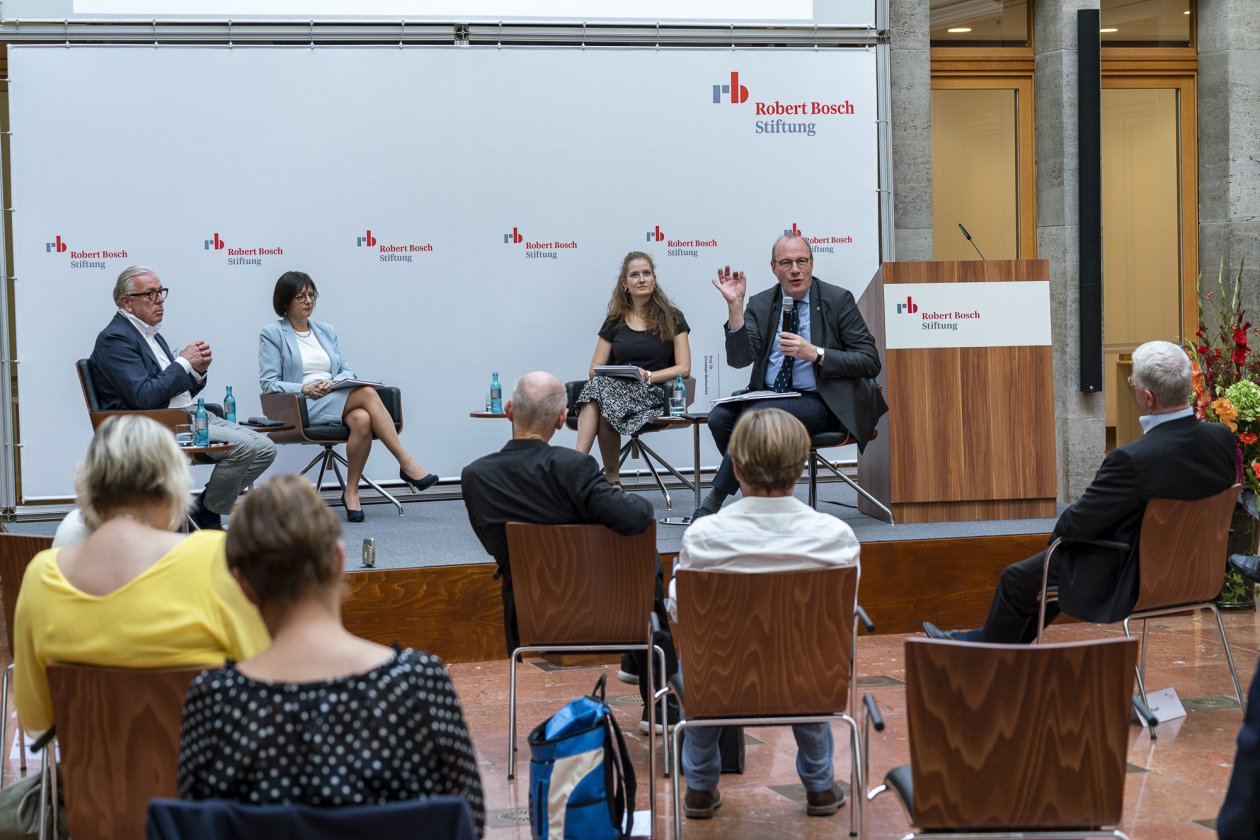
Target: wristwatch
[818,360]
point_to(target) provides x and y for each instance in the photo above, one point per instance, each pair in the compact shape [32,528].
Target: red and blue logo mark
[737,92]
[366,239]
[908,308]
[513,238]
[792,231]
[656,235]
[215,244]
[57,246]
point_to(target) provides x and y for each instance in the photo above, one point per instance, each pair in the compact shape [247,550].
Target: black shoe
[702,511]
[204,518]
[629,672]
[419,484]
[934,632]
[700,804]
[352,515]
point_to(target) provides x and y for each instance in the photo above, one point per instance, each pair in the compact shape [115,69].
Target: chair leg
[857,782]
[512,716]
[857,488]
[676,781]
[1140,671]
[1229,657]
[813,478]
[669,503]
[337,458]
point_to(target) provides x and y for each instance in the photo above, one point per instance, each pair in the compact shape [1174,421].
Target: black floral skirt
[627,405]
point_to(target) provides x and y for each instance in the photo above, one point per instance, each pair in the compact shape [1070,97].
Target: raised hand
[732,285]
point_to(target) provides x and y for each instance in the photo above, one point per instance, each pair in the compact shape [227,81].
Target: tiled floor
[1175,783]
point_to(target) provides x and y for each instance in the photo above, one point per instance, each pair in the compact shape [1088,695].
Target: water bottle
[201,424]
[229,406]
[496,394]
[678,398]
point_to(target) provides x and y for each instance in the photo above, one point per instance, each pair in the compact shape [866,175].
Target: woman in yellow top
[133,594]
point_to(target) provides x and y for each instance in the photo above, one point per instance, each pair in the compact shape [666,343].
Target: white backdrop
[177,157]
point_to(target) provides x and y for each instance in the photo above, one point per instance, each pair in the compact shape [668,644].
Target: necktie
[783,381]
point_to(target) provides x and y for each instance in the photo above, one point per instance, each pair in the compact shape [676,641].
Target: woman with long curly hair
[644,329]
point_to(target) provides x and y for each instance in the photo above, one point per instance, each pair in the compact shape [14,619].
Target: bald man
[529,480]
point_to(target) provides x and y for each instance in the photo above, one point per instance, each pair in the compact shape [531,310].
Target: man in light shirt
[768,530]
[133,368]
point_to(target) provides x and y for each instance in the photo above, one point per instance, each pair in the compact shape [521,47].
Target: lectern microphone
[972,241]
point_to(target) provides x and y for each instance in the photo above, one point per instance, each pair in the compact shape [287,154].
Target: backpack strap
[619,779]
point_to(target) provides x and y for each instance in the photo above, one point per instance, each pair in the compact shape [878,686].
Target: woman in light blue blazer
[297,355]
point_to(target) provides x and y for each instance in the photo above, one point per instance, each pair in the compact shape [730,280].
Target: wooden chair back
[1182,550]
[168,417]
[1018,736]
[16,553]
[118,734]
[766,644]
[581,584]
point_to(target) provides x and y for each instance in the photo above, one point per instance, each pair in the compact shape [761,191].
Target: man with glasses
[828,358]
[133,368]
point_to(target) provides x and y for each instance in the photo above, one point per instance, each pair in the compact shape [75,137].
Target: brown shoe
[700,804]
[824,803]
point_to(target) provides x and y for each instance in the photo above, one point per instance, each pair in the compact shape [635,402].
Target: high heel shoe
[352,515]
[418,484]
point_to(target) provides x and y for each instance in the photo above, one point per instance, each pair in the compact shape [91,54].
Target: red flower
[1255,468]
[1247,438]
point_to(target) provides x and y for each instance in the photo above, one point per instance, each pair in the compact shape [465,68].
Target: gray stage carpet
[436,533]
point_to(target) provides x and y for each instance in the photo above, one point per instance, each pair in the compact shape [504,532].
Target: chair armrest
[865,619]
[216,410]
[676,684]
[900,781]
[573,390]
[391,398]
[1144,712]
[1112,544]
[872,712]
[287,408]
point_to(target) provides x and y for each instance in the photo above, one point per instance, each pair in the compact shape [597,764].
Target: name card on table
[927,315]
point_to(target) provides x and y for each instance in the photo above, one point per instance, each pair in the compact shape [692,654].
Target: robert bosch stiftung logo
[680,247]
[391,252]
[823,243]
[243,255]
[539,249]
[84,258]
[734,93]
[936,319]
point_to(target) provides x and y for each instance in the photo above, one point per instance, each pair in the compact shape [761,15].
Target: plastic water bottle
[678,398]
[496,394]
[201,424]
[229,406]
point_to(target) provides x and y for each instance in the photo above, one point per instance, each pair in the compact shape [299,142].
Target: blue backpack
[581,782]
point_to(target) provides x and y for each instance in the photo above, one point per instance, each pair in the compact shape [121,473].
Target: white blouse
[316,364]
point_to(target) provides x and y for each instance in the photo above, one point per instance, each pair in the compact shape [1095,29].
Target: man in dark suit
[133,368]
[529,480]
[1177,457]
[829,358]
[1239,818]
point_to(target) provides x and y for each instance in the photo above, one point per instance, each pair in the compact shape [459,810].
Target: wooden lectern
[969,432]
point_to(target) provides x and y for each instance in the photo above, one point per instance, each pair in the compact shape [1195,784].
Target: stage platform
[432,585]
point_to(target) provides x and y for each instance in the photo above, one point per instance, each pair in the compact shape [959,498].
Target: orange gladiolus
[1226,413]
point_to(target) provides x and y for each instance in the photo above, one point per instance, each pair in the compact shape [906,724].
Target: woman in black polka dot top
[321,717]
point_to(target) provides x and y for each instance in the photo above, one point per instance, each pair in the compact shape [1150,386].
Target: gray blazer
[280,361]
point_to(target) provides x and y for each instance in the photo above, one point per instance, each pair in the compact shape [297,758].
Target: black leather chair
[634,447]
[291,410]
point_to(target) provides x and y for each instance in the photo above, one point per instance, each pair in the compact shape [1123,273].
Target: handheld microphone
[972,241]
[789,309]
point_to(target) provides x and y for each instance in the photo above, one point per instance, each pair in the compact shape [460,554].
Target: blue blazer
[127,374]
[280,361]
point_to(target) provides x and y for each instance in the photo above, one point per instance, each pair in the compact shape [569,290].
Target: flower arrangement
[1225,372]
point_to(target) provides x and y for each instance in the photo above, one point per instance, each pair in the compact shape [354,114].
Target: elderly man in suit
[1177,457]
[133,368]
[827,356]
[529,480]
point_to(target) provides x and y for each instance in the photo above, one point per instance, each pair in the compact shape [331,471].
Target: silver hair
[123,286]
[1163,368]
[537,400]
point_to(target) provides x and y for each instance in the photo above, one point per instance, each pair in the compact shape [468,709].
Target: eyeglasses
[154,295]
[799,262]
[305,296]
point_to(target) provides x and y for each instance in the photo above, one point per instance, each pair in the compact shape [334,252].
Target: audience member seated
[132,594]
[321,717]
[531,481]
[134,369]
[298,355]
[644,329]
[1239,818]
[768,530]
[1177,457]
